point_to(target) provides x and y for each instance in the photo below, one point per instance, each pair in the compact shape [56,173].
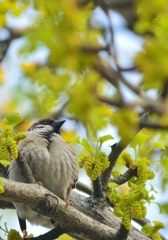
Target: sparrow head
[48,121]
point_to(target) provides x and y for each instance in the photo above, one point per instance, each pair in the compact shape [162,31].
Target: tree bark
[85,219]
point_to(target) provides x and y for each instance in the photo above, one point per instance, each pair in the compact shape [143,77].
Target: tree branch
[150,105]
[122,233]
[94,49]
[113,76]
[3,171]
[41,200]
[84,188]
[6,205]
[148,124]
[125,177]
[117,148]
[46,203]
[51,235]
[80,203]
[97,188]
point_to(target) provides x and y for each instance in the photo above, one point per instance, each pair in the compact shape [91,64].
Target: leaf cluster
[152,231]
[8,141]
[97,161]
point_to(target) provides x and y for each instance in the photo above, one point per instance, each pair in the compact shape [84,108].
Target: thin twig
[125,177]
[84,188]
[51,235]
[113,76]
[93,49]
[117,103]
[4,44]
[128,69]
[107,72]
[149,105]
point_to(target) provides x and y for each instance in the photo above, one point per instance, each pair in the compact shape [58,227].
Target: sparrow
[54,163]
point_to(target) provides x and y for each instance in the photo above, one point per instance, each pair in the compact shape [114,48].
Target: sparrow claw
[29,236]
[38,182]
[68,203]
[24,234]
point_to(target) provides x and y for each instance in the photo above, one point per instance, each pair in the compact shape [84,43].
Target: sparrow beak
[57,125]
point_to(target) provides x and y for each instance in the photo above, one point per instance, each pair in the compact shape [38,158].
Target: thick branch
[103,215]
[116,150]
[46,203]
[148,124]
[122,233]
[3,171]
[6,205]
[97,188]
[164,93]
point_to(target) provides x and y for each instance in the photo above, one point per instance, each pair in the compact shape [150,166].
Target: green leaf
[13,119]
[158,224]
[5,163]
[139,139]
[88,146]
[146,229]
[164,162]
[105,138]
[152,189]
[76,140]
[112,185]
[65,237]
[163,207]
[158,145]
[115,173]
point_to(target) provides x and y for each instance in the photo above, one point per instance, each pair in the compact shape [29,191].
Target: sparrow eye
[45,123]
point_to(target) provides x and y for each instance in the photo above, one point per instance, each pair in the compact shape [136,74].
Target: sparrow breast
[52,161]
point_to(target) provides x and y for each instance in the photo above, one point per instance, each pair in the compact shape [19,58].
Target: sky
[127,44]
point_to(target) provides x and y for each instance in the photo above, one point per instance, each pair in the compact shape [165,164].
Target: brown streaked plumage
[52,160]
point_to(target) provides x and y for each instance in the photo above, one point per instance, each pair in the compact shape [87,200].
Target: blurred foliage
[1,75]
[152,231]
[11,234]
[67,75]
[152,61]
[67,84]
[12,7]
[147,15]
[126,122]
